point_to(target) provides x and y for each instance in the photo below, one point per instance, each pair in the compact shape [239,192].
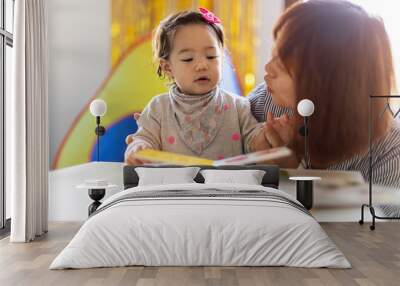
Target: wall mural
[133,81]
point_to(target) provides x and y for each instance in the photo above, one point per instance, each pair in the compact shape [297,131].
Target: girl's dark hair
[163,35]
[338,55]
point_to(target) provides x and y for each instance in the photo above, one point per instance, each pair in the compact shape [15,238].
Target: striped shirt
[386,152]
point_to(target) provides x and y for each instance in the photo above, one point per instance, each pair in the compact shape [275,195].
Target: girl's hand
[132,149]
[259,142]
[129,138]
[137,115]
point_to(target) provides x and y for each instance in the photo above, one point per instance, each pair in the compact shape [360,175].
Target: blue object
[112,143]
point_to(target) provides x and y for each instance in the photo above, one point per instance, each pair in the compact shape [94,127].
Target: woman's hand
[278,132]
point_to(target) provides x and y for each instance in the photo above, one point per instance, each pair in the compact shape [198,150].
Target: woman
[335,54]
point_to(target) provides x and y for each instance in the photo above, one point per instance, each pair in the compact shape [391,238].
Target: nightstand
[96,190]
[304,190]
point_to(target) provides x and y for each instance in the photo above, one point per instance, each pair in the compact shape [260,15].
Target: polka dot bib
[198,117]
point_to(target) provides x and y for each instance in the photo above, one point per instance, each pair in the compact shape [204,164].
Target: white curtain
[27,147]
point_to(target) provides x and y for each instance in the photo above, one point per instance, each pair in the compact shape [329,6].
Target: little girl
[195,117]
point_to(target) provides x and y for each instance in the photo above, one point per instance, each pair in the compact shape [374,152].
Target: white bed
[249,226]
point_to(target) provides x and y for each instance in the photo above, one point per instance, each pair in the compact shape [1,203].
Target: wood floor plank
[374,255]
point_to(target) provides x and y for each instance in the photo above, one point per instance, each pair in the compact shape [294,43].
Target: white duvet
[200,231]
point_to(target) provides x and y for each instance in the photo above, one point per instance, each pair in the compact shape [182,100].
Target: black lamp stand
[306,154]
[304,132]
[304,188]
[100,131]
[370,205]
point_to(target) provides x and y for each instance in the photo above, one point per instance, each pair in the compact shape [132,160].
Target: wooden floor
[374,255]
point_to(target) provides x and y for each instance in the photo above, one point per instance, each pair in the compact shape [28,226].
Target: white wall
[267,13]
[79,59]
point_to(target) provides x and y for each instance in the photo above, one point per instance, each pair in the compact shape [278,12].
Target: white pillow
[248,177]
[164,176]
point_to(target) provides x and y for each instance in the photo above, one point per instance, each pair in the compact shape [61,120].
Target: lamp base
[96,195]
[304,190]
[304,193]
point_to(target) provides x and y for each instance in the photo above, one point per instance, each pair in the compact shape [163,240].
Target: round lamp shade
[98,107]
[305,107]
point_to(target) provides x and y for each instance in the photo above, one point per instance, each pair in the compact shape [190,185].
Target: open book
[156,156]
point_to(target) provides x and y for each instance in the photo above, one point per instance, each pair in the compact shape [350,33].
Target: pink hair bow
[209,16]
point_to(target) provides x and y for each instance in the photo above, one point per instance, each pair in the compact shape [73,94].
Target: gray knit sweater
[158,128]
